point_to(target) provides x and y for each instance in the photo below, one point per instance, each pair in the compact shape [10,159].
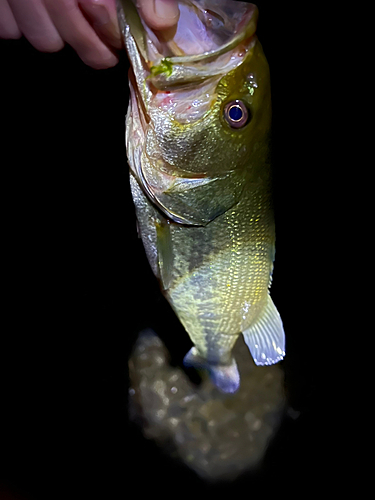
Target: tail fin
[225,377]
[265,338]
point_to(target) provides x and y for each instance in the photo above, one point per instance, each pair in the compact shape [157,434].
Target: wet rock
[217,435]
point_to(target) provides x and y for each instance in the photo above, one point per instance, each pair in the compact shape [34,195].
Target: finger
[76,30]
[36,25]
[8,25]
[159,14]
[103,17]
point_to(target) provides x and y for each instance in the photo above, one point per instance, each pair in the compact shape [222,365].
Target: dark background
[77,287]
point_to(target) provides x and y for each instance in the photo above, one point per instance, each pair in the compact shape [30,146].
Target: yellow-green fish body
[198,131]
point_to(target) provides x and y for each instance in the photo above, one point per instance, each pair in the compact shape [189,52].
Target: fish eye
[236,114]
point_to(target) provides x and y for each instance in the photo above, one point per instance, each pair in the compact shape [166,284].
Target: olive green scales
[197,138]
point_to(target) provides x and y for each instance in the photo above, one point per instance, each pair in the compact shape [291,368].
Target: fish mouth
[210,39]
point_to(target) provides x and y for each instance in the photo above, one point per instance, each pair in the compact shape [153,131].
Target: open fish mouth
[211,39]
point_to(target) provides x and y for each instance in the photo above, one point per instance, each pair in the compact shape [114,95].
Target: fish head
[200,94]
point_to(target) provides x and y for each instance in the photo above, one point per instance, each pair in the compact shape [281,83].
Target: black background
[77,287]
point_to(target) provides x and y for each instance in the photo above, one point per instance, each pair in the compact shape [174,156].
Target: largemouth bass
[197,139]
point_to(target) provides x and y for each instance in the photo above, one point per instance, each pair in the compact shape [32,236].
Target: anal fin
[265,338]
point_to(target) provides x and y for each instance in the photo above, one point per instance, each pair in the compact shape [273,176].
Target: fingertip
[46,44]
[10,33]
[77,31]
[104,62]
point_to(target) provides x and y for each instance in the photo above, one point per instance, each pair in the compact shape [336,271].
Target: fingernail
[167,9]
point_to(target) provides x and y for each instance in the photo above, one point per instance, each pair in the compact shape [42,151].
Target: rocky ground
[217,435]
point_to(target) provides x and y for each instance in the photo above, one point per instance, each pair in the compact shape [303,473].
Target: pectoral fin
[192,201]
[265,337]
[202,200]
[164,251]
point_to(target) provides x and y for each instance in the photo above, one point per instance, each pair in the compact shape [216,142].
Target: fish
[198,138]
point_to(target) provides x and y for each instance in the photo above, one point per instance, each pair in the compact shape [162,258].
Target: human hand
[89,26]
